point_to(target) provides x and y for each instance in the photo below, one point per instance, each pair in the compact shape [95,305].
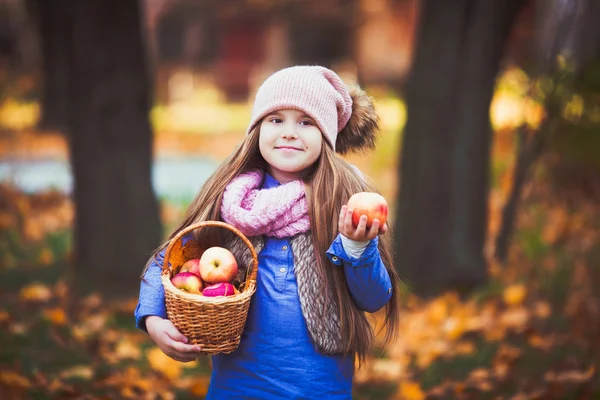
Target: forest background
[113,113]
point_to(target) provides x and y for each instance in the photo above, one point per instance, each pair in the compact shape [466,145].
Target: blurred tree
[441,219]
[117,222]
[567,45]
[53,24]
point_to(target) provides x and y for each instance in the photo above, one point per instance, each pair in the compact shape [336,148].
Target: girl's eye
[276,120]
[306,122]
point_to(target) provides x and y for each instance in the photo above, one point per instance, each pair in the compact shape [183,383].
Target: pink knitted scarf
[279,212]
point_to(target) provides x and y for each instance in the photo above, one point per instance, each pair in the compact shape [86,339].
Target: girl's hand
[359,233]
[170,340]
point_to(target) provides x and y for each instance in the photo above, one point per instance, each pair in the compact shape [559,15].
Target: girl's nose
[289,131]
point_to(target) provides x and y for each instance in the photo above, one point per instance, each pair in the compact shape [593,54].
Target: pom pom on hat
[360,133]
[346,117]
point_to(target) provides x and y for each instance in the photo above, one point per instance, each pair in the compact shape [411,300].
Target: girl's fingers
[185,357]
[342,218]
[383,229]
[348,220]
[174,333]
[374,230]
[183,348]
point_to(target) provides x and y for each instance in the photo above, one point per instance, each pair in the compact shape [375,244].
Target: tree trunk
[53,22]
[444,172]
[117,217]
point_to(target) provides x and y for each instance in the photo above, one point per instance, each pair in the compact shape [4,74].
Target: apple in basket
[217,264]
[188,282]
[373,205]
[220,289]
[192,265]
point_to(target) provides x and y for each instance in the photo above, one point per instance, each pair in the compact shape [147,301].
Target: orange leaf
[78,371]
[200,387]
[159,361]
[410,391]
[13,379]
[127,349]
[36,292]
[514,294]
[56,315]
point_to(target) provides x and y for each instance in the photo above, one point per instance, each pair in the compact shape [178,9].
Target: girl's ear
[360,133]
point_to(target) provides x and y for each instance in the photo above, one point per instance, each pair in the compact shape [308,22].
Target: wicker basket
[213,323]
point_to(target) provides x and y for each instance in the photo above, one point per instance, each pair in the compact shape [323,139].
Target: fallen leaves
[159,361]
[36,292]
[514,294]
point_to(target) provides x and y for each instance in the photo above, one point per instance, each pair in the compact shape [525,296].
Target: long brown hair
[329,175]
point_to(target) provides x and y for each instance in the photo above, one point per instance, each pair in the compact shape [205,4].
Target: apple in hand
[373,205]
[188,282]
[219,289]
[192,265]
[217,264]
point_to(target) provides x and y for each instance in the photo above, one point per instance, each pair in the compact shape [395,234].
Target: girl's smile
[290,142]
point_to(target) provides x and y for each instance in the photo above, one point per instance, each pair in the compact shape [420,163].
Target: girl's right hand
[170,340]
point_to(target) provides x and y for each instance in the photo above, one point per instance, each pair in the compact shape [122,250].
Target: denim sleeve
[367,278]
[151,300]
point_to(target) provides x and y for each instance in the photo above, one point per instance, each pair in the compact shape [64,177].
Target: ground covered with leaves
[533,332]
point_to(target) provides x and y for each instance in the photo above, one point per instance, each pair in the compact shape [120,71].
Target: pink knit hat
[315,90]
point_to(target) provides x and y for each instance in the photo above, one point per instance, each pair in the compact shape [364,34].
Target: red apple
[217,264]
[188,282]
[371,204]
[219,289]
[192,265]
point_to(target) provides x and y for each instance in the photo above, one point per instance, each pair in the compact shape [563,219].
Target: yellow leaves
[13,379]
[514,294]
[408,390]
[17,115]
[127,349]
[199,387]
[78,371]
[56,315]
[159,361]
[515,318]
[36,292]
[572,376]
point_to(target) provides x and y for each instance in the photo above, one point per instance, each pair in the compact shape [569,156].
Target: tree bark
[117,221]
[441,218]
[53,23]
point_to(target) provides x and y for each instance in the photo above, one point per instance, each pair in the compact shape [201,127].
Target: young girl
[286,189]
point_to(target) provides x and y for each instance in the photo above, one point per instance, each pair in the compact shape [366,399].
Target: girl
[286,189]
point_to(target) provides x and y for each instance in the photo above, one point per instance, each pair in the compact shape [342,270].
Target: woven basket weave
[213,323]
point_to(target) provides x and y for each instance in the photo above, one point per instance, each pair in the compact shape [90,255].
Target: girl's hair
[330,174]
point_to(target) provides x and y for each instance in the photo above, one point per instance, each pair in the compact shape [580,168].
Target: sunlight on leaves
[18,115]
[159,361]
[10,378]
[408,390]
[127,349]
[199,387]
[573,376]
[56,315]
[514,294]
[36,292]
[78,371]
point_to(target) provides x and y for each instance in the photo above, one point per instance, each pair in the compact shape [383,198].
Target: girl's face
[290,142]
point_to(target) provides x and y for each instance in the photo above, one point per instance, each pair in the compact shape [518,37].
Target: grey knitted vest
[316,300]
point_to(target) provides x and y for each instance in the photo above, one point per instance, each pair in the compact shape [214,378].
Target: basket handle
[180,234]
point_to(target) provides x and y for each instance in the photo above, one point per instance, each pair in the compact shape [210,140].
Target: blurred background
[113,114]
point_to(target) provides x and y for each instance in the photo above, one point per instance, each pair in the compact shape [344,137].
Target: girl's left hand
[359,233]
